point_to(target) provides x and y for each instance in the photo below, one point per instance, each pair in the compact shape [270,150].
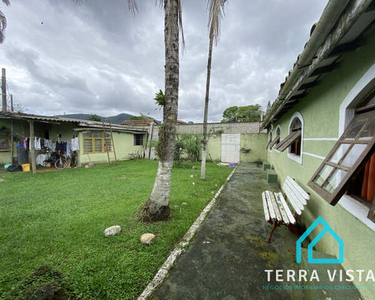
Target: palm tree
[3,22]
[216,11]
[157,206]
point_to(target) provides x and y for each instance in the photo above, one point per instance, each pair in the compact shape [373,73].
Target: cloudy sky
[96,57]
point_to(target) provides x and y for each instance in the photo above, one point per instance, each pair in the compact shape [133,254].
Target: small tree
[94,117]
[234,114]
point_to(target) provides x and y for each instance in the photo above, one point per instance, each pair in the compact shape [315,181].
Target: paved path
[228,257]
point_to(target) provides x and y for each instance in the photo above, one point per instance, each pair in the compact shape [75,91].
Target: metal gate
[230,148]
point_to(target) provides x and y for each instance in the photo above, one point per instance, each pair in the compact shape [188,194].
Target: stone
[194,167]
[2,180]
[147,238]
[113,230]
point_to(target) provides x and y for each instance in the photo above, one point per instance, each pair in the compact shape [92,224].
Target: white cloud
[95,57]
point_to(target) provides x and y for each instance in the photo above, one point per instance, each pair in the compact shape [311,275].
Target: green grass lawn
[52,224]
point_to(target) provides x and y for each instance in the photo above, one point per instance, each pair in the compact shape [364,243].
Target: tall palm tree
[3,22]
[216,11]
[157,206]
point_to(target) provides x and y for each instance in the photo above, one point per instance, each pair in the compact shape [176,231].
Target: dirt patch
[45,283]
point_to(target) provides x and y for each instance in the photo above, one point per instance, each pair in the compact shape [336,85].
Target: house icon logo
[326,229]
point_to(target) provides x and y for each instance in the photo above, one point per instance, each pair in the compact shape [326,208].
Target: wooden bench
[278,212]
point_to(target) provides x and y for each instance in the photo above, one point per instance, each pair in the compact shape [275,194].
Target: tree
[160,99]
[234,114]
[94,117]
[216,9]
[140,118]
[3,22]
[157,206]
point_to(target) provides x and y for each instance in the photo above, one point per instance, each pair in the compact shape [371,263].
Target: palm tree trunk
[157,206]
[206,100]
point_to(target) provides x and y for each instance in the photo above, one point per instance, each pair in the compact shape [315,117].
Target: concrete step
[325,289]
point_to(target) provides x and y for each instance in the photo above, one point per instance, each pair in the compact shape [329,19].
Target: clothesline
[41,143]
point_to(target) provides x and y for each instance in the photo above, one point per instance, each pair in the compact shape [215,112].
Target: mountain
[114,119]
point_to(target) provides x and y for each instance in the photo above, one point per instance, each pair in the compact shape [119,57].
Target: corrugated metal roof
[82,123]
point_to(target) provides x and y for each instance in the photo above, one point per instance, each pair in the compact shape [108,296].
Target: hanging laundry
[67,149]
[37,144]
[75,144]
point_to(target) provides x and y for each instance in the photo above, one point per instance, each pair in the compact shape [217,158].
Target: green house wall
[124,146]
[320,110]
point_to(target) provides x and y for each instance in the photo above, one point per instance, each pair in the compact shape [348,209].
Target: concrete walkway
[228,256]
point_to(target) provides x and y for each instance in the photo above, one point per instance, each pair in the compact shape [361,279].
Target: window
[293,140]
[269,140]
[4,143]
[276,140]
[138,140]
[295,146]
[94,142]
[350,165]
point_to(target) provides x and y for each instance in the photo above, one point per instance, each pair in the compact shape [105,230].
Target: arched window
[294,140]
[269,140]
[295,146]
[276,140]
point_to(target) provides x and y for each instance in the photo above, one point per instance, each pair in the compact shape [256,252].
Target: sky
[96,57]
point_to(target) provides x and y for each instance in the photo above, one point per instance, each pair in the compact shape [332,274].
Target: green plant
[192,145]
[135,155]
[178,150]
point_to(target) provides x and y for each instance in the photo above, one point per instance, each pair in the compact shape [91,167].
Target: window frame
[141,139]
[341,189]
[295,157]
[9,143]
[93,138]
[277,138]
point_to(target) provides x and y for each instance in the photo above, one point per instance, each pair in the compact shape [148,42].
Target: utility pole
[4,89]
[32,148]
[12,130]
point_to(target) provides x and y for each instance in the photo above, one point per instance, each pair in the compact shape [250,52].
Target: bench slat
[296,194]
[270,206]
[275,207]
[265,207]
[298,188]
[282,209]
[287,209]
[298,207]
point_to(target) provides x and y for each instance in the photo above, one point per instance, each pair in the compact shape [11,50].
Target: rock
[89,165]
[113,230]
[221,164]
[2,180]
[194,167]
[184,203]
[147,238]
[191,176]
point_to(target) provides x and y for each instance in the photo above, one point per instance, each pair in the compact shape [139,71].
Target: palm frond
[133,7]
[215,14]
[3,25]
[180,23]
